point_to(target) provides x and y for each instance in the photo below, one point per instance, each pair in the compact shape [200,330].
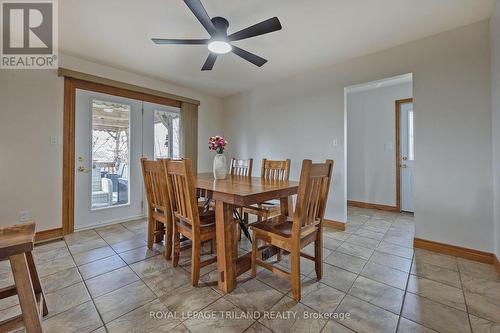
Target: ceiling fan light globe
[219,47]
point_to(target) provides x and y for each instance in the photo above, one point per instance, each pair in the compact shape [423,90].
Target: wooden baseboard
[46,235]
[457,251]
[497,264]
[371,206]
[334,224]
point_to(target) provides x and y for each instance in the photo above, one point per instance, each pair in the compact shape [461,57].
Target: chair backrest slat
[180,184]
[275,170]
[313,194]
[241,167]
[155,183]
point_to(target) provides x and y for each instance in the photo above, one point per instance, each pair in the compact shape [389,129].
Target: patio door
[108,148]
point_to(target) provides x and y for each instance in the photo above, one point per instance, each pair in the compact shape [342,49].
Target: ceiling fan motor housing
[221,25]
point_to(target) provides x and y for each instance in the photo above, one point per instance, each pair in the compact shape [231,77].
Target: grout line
[463,295]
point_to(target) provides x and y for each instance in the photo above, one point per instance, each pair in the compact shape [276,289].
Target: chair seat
[280,225]
[207,218]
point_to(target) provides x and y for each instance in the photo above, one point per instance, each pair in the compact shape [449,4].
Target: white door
[407,154]
[108,148]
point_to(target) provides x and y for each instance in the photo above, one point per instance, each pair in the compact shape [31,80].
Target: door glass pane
[110,154]
[411,148]
[166,134]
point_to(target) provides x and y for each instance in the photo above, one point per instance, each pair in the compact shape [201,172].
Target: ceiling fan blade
[254,59]
[201,14]
[209,63]
[180,41]
[264,27]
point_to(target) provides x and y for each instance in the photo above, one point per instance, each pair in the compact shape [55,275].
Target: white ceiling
[315,33]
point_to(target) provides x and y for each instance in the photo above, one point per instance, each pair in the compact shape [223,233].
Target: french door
[111,135]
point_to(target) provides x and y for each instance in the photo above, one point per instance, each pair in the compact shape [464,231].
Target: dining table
[232,192]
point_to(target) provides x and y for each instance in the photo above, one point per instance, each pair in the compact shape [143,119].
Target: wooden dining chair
[159,210]
[306,226]
[241,167]
[189,220]
[270,170]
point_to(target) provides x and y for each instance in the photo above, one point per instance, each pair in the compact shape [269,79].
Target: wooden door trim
[398,150]
[70,86]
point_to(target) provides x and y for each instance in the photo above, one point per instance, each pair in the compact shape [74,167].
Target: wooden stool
[16,244]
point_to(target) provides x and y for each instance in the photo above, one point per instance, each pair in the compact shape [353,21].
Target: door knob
[405,158]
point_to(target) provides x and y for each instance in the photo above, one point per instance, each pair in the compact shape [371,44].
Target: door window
[110,154]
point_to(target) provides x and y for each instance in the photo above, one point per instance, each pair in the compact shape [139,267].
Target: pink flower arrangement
[217,143]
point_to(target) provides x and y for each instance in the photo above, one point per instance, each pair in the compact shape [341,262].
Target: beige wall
[301,116]
[31,111]
[495,100]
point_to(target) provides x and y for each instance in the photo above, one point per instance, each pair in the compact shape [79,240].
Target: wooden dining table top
[244,190]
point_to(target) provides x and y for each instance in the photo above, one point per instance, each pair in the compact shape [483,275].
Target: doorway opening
[380,144]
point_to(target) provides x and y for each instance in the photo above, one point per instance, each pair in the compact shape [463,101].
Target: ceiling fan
[220,42]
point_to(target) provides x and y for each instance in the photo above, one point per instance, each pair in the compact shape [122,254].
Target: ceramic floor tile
[142,319]
[66,298]
[336,277]
[219,324]
[394,249]
[346,261]
[392,261]
[129,244]
[258,328]
[434,315]
[355,250]
[334,327]
[188,298]
[319,296]
[253,295]
[137,254]
[478,270]
[123,300]
[274,280]
[164,281]
[151,266]
[484,305]
[365,317]
[379,294]
[42,257]
[82,318]
[110,281]
[408,326]
[480,325]
[369,243]
[81,237]
[297,318]
[306,265]
[59,280]
[437,291]
[436,259]
[371,233]
[384,274]
[54,266]
[87,245]
[101,266]
[331,243]
[82,258]
[436,273]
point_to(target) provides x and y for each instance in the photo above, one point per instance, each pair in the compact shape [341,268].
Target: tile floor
[106,280]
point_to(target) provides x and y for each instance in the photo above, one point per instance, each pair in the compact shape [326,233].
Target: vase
[220,167]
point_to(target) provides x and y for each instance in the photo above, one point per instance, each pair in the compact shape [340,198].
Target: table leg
[25,292]
[225,233]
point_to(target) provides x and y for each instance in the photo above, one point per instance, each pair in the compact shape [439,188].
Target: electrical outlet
[25,215]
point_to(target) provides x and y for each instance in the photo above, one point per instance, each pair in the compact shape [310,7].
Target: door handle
[404,166]
[405,158]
